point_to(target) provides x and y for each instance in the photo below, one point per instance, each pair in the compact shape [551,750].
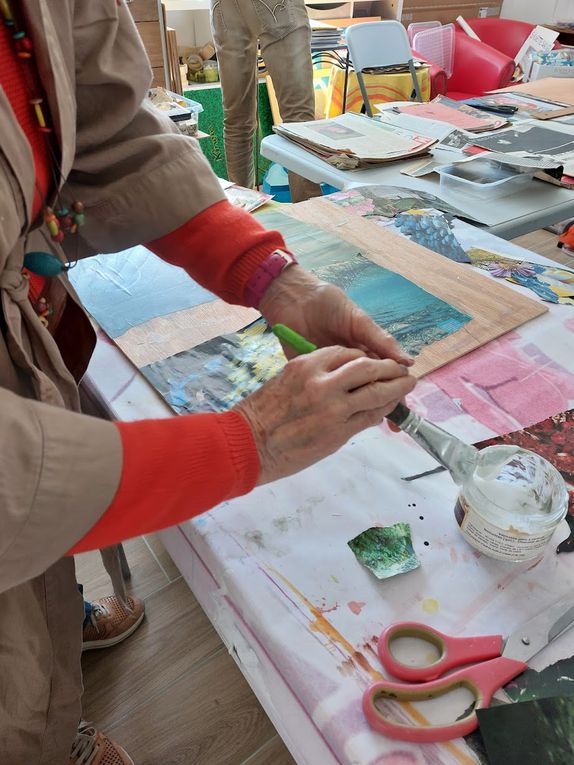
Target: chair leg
[417,87]
[124,565]
[364,93]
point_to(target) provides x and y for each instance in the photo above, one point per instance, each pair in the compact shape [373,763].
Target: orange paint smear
[324,626]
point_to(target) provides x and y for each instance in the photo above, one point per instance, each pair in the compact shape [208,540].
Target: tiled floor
[171,694]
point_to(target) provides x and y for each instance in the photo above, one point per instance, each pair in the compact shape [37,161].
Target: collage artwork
[217,374]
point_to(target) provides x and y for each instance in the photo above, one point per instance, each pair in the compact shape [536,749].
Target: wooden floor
[171,694]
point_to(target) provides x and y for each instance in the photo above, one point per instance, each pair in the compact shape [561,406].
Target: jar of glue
[510,501]
[510,505]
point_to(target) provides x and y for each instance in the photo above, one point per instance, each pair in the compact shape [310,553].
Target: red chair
[478,68]
[505,35]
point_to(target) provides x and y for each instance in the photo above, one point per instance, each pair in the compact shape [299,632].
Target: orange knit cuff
[174,469]
[220,248]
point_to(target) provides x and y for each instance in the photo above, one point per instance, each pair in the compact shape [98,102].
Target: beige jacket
[59,469]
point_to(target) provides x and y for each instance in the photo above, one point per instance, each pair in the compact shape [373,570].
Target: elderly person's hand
[317,403]
[325,316]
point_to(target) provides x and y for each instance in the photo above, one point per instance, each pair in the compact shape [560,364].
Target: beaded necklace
[63,220]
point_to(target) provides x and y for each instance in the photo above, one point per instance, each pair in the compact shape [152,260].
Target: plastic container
[511,505]
[481,179]
[211,71]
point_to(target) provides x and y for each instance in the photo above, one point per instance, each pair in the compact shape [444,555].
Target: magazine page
[353,134]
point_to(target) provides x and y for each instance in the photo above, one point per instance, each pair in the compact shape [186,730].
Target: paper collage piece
[125,289]
[247,199]
[529,733]
[551,283]
[382,204]
[439,232]
[386,551]
[434,231]
[217,374]
[555,680]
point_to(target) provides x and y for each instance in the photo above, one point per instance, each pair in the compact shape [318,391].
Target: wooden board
[559,89]
[496,308]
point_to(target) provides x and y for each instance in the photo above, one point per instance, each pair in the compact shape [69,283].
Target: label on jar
[505,544]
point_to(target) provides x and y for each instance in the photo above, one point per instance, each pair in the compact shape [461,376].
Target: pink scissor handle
[453,651]
[482,680]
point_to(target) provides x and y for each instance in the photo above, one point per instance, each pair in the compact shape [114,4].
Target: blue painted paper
[125,289]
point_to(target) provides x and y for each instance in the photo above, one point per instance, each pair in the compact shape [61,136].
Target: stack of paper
[325,36]
[352,140]
[455,113]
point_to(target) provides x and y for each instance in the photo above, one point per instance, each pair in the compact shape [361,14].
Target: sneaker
[93,748]
[111,622]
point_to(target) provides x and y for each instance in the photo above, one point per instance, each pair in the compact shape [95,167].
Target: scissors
[491,662]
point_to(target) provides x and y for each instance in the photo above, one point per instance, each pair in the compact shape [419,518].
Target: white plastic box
[538,71]
[481,179]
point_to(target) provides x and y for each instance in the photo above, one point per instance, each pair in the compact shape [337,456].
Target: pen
[496,108]
[294,339]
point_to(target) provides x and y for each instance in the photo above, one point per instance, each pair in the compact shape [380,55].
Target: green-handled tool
[294,339]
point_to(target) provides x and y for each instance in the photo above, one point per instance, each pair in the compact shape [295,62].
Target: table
[299,615]
[538,206]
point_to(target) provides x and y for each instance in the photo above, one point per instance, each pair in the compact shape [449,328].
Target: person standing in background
[284,35]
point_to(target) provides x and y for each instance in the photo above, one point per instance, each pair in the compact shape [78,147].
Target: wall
[534,11]
[192,27]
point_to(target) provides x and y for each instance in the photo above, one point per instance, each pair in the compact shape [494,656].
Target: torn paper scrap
[386,551]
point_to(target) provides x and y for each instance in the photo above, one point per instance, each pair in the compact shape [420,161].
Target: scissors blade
[535,634]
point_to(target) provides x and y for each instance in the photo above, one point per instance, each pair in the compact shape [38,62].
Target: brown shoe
[91,747]
[111,622]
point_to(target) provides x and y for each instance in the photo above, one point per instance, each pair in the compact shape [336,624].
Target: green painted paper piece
[386,551]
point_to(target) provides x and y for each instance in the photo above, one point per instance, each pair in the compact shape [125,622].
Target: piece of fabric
[155,493]
[284,35]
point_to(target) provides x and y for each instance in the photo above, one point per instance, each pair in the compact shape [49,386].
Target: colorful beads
[65,219]
[43,264]
[37,104]
[6,11]
[79,215]
[24,47]
[53,225]
[44,310]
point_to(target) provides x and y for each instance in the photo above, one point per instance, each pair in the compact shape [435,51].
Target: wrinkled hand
[317,403]
[324,315]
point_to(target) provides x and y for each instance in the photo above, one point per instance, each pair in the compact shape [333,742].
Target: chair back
[377,44]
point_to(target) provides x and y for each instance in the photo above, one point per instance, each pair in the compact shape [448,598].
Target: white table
[273,572]
[538,206]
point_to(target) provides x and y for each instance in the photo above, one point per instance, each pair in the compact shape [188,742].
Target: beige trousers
[285,38]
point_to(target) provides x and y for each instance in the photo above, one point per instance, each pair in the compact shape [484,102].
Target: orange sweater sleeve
[220,248]
[175,469]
